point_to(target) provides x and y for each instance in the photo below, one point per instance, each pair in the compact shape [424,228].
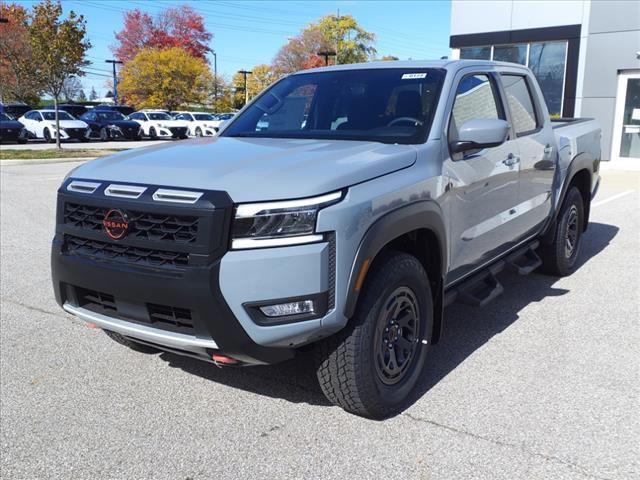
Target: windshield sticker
[413,76]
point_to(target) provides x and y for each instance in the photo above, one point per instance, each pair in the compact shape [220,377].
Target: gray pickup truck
[340,211]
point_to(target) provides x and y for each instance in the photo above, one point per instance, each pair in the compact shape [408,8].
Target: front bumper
[134,290]
[192,296]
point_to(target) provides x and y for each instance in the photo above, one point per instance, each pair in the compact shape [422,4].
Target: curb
[41,161]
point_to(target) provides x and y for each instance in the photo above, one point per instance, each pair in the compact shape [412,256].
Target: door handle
[511,160]
[548,149]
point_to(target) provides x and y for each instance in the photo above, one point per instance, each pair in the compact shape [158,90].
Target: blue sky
[247,33]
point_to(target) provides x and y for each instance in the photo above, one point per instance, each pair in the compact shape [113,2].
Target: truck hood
[252,169]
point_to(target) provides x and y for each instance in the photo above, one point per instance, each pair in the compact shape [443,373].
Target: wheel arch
[417,229]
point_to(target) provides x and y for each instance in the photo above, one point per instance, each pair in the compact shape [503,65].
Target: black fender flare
[425,214]
[582,161]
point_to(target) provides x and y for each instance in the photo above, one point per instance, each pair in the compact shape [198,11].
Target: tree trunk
[55,106]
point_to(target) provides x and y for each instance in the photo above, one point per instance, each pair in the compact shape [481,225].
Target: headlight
[271,224]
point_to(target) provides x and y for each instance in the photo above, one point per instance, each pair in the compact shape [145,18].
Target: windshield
[391,105]
[159,116]
[203,116]
[4,117]
[107,115]
[51,115]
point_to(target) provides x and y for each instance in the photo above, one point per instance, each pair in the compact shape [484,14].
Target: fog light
[286,309]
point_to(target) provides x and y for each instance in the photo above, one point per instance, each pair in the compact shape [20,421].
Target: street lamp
[326,54]
[115,80]
[246,92]
[215,81]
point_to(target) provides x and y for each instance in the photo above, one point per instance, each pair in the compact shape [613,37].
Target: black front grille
[164,317]
[75,132]
[96,301]
[156,227]
[122,253]
[173,318]
[178,130]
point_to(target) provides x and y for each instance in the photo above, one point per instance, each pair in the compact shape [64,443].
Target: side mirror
[480,133]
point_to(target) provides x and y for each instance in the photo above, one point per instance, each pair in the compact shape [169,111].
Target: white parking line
[612,198]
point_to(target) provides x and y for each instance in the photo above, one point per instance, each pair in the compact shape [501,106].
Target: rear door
[537,145]
[483,183]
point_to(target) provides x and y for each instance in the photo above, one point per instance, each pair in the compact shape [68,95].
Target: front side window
[475,98]
[3,117]
[523,113]
[61,115]
[391,105]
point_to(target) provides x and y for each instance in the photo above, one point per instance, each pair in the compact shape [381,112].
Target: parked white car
[201,124]
[42,124]
[159,124]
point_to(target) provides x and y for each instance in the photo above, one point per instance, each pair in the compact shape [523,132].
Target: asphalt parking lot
[542,383]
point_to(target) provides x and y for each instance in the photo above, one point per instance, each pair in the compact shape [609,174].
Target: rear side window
[523,112]
[475,98]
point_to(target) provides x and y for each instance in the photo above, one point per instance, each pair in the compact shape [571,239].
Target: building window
[476,53]
[547,61]
[510,53]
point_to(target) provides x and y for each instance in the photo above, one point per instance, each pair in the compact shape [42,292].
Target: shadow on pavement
[466,329]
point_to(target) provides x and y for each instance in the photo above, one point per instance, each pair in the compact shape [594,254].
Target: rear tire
[138,347]
[559,258]
[372,366]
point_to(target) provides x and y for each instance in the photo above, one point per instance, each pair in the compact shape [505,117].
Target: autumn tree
[180,27]
[167,78]
[261,77]
[341,34]
[389,58]
[58,48]
[18,79]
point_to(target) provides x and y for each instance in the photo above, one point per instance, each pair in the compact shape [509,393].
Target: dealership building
[584,53]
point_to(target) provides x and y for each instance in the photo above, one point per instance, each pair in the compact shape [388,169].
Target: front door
[484,183]
[625,148]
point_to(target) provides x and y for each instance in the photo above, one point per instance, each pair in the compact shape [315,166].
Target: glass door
[626,130]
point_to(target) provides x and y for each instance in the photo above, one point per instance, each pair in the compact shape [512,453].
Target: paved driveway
[542,383]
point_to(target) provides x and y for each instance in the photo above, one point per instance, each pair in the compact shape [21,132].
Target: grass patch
[12,154]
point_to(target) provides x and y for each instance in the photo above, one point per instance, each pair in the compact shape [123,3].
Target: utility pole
[215,81]
[337,35]
[326,54]
[246,92]
[115,79]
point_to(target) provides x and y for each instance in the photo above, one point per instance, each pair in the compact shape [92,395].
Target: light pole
[326,54]
[215,81]
[246,92]
[115,80]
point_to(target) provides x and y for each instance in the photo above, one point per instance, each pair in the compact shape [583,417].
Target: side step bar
[484,286]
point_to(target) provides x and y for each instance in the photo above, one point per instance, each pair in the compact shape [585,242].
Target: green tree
[389,58]
[58,46]
[93,95]
[341,34]
[81,96]
[167,78]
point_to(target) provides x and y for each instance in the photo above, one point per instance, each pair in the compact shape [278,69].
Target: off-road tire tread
[553,258]
[342,360]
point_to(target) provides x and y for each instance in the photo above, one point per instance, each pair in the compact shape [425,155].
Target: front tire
[152,134]
[104,135]
[198,132]
[559,258]
[373,365]
[46,134]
